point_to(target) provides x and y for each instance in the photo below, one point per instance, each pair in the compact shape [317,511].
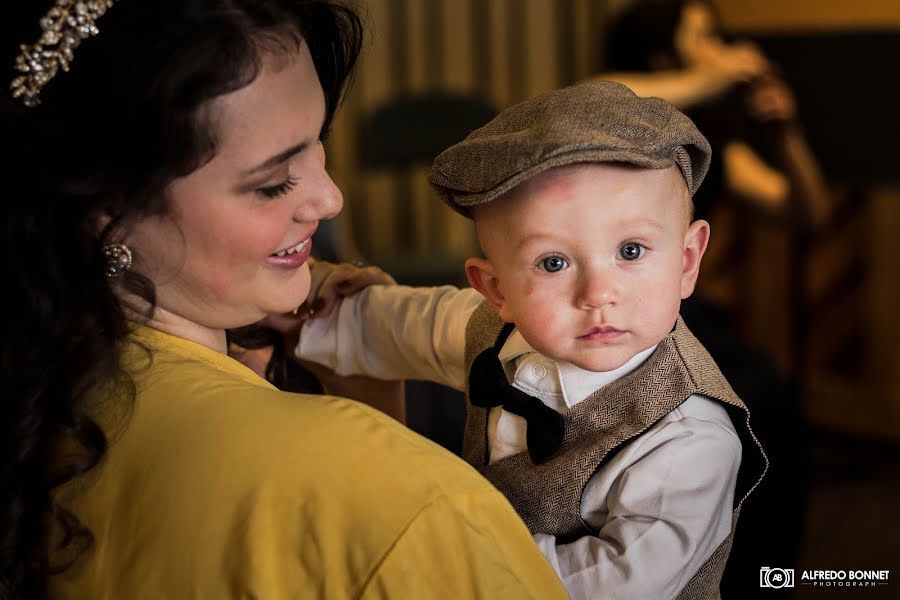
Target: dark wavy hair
[644,29]
[106,139]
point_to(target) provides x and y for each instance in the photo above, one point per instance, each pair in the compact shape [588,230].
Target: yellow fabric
[221,486]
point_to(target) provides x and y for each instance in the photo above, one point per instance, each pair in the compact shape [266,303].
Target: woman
[675,49]
[167,175]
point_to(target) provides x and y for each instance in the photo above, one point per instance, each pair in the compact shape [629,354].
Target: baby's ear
[695,240]
[483,278]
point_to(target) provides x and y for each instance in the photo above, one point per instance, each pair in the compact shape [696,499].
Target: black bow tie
[488,387]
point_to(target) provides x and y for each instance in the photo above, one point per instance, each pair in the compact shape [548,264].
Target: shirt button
[539,371]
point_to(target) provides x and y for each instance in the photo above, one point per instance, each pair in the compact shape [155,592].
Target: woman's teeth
[296,248]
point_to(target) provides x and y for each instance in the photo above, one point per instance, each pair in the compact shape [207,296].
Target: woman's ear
[98,221]
[483,278]
[695,240]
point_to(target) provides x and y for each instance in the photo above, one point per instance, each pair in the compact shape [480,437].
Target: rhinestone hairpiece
[64,26]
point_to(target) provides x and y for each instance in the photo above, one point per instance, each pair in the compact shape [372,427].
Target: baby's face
[591,261]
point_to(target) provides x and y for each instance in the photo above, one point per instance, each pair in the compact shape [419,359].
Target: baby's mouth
[595,332]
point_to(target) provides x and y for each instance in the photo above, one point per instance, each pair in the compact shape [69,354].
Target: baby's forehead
[552,188]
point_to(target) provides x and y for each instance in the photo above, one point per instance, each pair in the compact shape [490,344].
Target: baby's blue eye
[552,264]
[631,251]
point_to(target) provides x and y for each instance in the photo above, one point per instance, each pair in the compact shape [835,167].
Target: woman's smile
[293,257]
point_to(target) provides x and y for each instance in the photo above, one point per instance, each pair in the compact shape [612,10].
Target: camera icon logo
[776,578]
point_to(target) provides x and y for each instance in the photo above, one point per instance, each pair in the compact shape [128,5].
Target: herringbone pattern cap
[598,121]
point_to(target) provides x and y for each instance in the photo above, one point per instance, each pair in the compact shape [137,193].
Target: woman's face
[697,36]
[234,244]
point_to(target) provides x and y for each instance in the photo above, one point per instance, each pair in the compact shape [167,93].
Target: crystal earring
[118,259]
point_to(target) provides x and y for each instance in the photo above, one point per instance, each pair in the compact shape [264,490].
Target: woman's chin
[296,293]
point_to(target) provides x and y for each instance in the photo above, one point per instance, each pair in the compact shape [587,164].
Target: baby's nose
[597,288]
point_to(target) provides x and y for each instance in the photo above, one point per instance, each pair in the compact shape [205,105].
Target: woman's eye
[552,264]
[280,189]
[631,251]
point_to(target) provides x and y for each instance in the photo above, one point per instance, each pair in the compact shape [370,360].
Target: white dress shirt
[661,505]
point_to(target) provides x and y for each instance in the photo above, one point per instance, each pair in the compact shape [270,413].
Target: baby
[590,405]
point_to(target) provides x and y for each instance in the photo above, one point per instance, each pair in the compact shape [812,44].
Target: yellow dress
[220,486]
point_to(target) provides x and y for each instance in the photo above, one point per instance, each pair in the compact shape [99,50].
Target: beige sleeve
[394,332]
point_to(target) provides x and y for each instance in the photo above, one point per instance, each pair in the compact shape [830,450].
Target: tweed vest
[548,496]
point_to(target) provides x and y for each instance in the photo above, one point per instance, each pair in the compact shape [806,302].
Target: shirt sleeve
[469,547]
[395,332]
[660,518]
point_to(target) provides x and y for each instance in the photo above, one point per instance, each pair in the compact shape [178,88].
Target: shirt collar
[576,383]
[514,347]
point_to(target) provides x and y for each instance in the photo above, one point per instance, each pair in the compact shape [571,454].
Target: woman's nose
[323,200]
[330,198]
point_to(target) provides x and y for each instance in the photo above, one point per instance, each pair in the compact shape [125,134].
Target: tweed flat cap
[598,121]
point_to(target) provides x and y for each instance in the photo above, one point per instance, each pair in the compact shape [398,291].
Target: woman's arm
[681,88]
[752,178]
[792,171]
[720,69]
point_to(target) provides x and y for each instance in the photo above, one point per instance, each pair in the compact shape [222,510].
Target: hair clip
[64,26]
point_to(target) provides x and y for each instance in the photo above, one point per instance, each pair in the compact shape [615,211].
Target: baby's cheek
[657,313]
[540,316]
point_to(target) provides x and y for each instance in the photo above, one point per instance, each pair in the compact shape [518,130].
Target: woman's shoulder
[327,440]
[175,377]
[220,482]
[237,472]
[251,423]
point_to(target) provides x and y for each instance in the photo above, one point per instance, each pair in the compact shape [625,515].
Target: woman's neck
[177,325]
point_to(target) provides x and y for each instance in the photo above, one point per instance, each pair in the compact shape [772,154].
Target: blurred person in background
[674,49]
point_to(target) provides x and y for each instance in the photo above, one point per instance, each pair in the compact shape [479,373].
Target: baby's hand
[331,281]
